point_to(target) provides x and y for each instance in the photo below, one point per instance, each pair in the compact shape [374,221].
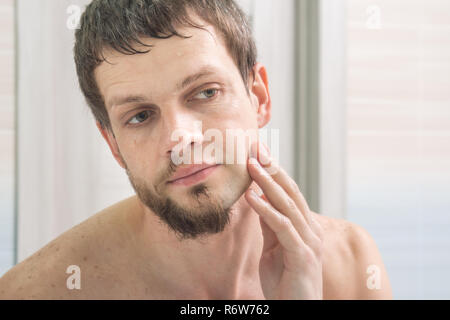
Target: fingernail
[264,154]
[253,152]
[253,161]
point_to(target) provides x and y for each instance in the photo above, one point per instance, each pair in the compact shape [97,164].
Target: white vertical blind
[320,116]
[65,170]
[7,135]
[399,138]
[332,109]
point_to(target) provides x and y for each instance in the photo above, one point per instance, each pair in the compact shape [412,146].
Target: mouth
[192,175]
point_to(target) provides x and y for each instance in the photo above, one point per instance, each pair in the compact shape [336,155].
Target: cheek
[236,112]
[139,157]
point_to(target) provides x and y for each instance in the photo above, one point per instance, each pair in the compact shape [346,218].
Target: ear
[260,96]
[112,143]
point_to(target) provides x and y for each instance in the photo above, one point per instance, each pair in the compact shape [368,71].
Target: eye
[208,93]
[140,117]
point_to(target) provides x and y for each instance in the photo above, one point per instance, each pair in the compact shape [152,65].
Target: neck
[221,266]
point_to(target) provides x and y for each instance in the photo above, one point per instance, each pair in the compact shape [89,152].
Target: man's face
[147,102]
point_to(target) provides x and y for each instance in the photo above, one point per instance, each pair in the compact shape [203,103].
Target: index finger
[279,175]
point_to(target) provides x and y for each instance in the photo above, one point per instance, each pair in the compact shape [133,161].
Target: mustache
[167,173]
[171,168]
[161,178]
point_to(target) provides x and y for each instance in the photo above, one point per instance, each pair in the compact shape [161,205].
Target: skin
[275,247]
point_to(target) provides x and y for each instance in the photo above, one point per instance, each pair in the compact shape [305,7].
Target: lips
[184,172]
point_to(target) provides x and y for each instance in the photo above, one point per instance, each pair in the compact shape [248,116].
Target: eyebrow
[203,72]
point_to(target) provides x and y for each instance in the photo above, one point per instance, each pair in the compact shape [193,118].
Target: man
[193,231]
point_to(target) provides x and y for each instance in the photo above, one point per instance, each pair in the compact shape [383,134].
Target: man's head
[149,68]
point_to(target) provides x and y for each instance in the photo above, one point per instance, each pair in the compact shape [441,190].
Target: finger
[279,199]
[284,180]
[254,186]
[289,185]
[285,232]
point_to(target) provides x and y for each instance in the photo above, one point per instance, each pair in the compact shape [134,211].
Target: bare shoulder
[352,264]
[88,246]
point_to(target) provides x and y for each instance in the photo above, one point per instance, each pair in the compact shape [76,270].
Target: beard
[209,215]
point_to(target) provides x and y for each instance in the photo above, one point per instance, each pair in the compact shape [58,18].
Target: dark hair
[118,25]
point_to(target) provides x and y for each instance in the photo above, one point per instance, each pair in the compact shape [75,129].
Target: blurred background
[361,96]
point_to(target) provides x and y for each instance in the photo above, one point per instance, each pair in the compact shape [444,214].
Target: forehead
[168,61]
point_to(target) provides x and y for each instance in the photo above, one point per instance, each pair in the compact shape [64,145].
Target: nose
[181,130]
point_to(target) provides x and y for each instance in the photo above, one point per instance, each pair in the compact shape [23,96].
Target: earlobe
[112,143]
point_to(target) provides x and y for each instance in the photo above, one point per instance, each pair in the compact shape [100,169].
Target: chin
[234,188]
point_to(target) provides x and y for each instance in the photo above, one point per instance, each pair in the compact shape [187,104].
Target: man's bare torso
[107,270]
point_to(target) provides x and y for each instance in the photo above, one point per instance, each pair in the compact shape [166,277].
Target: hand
[291,260]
